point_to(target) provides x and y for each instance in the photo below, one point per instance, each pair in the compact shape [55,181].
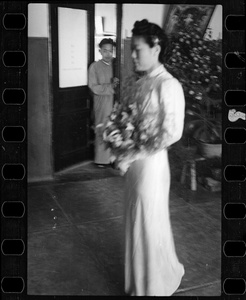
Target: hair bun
[142,26]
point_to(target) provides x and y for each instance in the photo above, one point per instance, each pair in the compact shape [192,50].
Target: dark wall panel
[39,111]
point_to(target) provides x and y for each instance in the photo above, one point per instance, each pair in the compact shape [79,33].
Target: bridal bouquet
[131,134]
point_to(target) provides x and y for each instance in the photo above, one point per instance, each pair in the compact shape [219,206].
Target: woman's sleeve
[173,104]
[105,89]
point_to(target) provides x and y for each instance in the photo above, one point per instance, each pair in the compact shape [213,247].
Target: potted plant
[196,61]
[203,126]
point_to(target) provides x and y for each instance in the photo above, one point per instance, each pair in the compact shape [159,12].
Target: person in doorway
[152,267]
[102,84]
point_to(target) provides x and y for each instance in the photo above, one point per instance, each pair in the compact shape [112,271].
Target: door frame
[53,10]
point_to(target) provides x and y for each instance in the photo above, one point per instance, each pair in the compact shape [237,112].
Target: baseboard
[39,179]
[84,163]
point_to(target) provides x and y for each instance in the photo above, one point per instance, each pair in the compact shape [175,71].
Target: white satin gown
[151,264]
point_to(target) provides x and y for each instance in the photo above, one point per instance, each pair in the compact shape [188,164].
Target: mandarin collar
[157,71]
[104,62]
[153,73]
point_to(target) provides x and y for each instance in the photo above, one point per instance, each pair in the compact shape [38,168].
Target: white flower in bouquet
[128,144]
[114,133]
[113,117]
[118,141]
[129,126]
[143,137]
[125,116]
[110,137]
[109,123]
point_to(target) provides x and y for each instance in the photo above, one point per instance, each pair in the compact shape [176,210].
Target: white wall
[136,12]
[38,20]
[108,11]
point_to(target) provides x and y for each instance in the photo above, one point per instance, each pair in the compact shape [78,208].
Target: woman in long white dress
[151,264]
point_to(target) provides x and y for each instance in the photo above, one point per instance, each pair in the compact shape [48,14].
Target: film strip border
[14,149]
[234,153]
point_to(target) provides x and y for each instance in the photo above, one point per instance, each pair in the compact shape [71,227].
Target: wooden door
[72,39]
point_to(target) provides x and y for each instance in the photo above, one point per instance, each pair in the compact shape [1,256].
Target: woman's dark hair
[153,35]
[106,41]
